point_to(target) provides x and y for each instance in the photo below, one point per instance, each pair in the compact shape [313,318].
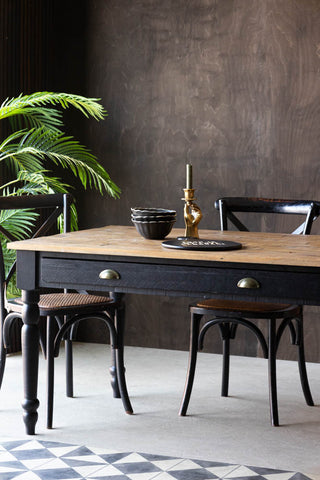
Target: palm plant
[37,139]
[36,144]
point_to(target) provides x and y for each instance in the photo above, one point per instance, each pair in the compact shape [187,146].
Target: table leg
[272,364]
[118,297]
[120,368]
[30,356]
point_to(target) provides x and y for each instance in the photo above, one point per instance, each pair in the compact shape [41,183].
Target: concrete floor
[232,430]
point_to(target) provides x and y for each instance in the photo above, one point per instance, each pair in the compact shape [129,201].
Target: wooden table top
[257,248]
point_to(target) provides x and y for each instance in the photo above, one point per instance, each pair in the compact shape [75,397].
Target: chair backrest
[227,206]
[51,206]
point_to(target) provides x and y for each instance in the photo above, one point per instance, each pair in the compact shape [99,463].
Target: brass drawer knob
[248,283]
[109,275]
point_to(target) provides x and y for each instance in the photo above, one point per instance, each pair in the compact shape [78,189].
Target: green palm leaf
[32,110]
[39,145]
[18,223]
[33,183]
[29,148]
[18,157]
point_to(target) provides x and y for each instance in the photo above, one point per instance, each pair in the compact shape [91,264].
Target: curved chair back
[227,206]
[53,205]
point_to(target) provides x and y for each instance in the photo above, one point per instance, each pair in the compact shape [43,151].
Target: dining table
[268,267]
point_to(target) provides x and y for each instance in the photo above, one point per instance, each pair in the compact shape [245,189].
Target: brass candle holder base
[192,214]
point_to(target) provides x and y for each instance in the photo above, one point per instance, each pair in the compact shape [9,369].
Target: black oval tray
[201,244]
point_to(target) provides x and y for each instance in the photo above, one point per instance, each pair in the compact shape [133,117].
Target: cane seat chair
[62,310]
[229,314]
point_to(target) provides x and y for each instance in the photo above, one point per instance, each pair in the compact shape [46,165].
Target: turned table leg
[30,356]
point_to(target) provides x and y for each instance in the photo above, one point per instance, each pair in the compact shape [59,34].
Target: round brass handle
[109,275]
[248,283]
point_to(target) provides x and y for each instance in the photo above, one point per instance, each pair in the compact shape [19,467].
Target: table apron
[183,280]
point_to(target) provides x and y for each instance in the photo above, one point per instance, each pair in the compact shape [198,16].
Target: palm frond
[24,159]
[90,107]
[18,223]
[39,145]
[40,182]
[13,153]
[23,116]
[33,183]
[86,168]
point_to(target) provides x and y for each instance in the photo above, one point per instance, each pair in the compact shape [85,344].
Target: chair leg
[227,331]
[3,354]
[225,366]
[302,365]
[273,400]
[68,354]
[69,367]
[50,370]
[69,359]
[5,331]
[193,350]
[119,362]
[113,371]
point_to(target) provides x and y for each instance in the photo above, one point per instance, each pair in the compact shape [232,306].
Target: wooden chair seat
[246,309]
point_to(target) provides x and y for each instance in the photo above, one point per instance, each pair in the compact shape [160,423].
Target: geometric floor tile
[39,460]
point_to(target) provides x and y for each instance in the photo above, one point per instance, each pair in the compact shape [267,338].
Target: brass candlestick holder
[192,213]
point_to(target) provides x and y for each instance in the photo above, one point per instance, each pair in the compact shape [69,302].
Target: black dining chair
[229,314]
[62,310]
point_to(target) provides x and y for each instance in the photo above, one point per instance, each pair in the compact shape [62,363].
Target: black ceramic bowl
[156,218]
[151,212]
[154,230]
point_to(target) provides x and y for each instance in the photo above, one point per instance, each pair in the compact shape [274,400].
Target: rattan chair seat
[52,303]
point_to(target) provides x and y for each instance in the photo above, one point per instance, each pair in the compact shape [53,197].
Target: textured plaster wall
[231,86]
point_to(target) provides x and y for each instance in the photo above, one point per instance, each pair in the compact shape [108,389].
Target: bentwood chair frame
[63,311]
[228,314]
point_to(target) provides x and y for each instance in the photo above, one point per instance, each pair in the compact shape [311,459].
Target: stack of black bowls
[154,223]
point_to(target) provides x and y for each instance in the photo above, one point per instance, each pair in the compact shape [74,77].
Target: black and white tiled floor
[39,460]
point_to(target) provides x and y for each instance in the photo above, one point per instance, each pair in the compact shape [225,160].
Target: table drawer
[178,280]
